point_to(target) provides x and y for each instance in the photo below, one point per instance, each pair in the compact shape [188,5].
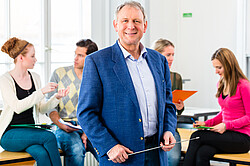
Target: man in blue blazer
[125,102]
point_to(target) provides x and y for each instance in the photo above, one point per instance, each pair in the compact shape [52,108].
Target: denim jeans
[73,147]
[174,155]
[39,143]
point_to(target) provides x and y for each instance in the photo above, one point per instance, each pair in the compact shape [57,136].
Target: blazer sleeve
[90,109]
[170,120]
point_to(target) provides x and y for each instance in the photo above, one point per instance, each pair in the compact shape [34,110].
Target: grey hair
[130,4]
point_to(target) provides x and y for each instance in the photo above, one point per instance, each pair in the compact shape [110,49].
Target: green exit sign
[187,14]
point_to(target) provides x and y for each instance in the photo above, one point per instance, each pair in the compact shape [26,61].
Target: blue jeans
[174,155]
[73,147]
[39,143]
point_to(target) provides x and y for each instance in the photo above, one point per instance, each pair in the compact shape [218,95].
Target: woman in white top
[23,99]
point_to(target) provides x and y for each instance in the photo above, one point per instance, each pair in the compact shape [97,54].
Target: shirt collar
[126,54]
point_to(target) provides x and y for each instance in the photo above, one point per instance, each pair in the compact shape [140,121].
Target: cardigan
[12,104]
[235,110]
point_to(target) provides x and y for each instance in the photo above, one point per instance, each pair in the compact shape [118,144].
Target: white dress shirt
[145,89]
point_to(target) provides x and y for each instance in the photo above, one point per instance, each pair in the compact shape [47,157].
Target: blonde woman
[22,93]
[167,48]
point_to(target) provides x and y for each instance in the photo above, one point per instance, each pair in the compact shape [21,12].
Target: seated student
[231,127]
[72,141]
[22,93]
[166,48]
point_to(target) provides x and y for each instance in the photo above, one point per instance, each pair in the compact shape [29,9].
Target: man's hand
[66,128]
[219,128]
[118,154]
[168,139]
[54,116]
[84,140]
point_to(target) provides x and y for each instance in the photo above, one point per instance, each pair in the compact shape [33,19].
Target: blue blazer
[108,109]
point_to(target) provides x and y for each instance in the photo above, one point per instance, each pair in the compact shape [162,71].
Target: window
[65,31]
[53,29]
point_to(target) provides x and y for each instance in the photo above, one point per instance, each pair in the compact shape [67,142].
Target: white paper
[70,125]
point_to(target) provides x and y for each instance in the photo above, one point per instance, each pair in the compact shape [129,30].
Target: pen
[193,120]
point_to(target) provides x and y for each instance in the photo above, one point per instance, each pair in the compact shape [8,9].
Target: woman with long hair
[230,132]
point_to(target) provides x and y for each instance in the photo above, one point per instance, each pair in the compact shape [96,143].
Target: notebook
[181,95]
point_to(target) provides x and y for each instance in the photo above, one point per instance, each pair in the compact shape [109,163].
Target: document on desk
[181,95]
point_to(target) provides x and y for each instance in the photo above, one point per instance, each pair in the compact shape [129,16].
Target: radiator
[90,160]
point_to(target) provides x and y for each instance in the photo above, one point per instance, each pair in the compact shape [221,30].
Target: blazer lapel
[121,70]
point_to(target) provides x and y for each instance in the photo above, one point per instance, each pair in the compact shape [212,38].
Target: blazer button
[139,120]
[141,138]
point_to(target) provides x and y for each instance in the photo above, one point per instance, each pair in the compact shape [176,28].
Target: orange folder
[181,95]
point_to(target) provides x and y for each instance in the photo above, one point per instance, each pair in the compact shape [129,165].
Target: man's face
[80,54]
[130,26]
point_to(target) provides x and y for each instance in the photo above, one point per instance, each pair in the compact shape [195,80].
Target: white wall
[213,24]
[248,38]
[248,28]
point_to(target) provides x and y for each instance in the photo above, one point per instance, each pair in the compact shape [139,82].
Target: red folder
[181,95]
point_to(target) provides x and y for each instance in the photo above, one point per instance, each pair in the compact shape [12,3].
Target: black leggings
[202,150]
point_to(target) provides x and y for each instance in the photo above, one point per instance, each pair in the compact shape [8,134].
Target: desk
[7,157]
[201,114]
